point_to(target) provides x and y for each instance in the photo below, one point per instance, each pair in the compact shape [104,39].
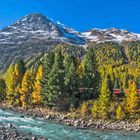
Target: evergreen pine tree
[90,80]
[46,69]
[56,87]
[2,89]
[72,83]
[20,68]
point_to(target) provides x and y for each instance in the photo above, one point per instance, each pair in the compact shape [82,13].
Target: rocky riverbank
[9,132]
[78,122]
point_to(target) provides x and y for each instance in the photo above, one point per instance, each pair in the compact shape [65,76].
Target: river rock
[63,117]
[3,137]
[89,124]
[25,138]
[22,116]
[47,117]
[34,115]
[76,123]
[9,125]
[34,138]
[129,129]
[137,129]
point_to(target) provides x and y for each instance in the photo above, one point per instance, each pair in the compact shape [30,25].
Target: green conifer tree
[56,87]
[72,84]
[2,89]
[47,67]
[90,79]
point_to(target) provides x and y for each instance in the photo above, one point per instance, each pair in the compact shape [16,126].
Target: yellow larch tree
[26,89]
[36,95]
[120,114]
[132,98]
[10,81]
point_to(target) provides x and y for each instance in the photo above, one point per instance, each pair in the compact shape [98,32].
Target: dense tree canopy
[68,76]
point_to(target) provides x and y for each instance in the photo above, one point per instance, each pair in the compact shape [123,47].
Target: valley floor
[75,119]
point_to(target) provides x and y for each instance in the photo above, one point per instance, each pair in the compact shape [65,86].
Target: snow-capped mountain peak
[37,26]
[112,34]
[33,23]
[40,27]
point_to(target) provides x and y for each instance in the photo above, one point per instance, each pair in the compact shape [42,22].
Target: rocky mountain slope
[36,33]
[112,34]
[37,26]
[32,34]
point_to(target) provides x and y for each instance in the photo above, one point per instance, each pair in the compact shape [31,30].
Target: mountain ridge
[40,25]
[35,33]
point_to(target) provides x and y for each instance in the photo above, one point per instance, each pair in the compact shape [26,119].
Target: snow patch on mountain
[71,34]
[112,34]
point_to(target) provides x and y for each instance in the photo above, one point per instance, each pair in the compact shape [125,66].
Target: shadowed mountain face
[36,33]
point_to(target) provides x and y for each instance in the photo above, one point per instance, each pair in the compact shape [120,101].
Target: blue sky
[79,14]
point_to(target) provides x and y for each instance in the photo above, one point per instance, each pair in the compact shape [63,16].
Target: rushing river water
[55,131]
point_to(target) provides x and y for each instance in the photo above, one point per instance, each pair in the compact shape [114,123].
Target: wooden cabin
[117,91]
[138,91]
